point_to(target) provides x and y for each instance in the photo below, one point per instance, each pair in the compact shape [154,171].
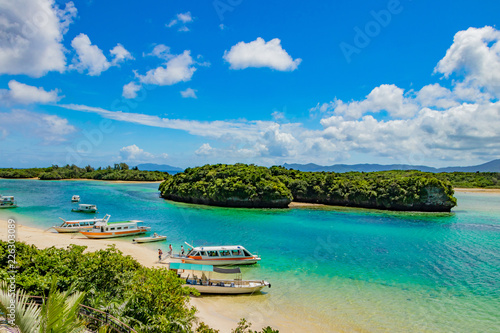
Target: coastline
[476,190]
[92,180]
[144,255]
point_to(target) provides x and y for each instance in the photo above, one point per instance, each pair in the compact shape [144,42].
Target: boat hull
[252,287]
[112,234]
[7,206]
[150,239]
[221,262]
[84,211]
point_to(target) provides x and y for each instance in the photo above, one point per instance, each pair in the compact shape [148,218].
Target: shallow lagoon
[331,269]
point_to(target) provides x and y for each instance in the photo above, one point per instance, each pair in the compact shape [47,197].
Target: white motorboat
[85,208]
[219,255]
[75,198]
[79,225]
[154,238]
[206,285]
[7,202]
[107,229]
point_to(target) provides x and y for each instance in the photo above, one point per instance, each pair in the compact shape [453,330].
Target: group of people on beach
[170,250]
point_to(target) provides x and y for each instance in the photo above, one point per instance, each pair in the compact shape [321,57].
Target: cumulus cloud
[31,36]
[180,21]
[189,93]
[20,93]
[92,59]
[205,150]
[260,53]
[130,90]
[179,68]
[475,54]
[386,97]
[133,153]
[50,129]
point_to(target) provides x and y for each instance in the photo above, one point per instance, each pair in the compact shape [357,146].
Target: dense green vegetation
[119,171]
[471,179]
[238,185]
[147,299]
[243,185]
[393,190]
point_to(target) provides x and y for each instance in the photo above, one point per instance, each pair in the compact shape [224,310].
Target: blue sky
[187,83]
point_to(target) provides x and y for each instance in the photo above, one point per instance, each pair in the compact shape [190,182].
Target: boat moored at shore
[79,225]
[107,229]
[154,238]
[85,208]
[219,255]
[206,285]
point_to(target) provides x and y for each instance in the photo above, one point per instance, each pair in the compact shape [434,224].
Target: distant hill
[492,166]
[159,167]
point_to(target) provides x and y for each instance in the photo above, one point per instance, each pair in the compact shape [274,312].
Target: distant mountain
[159,167]
[492,166]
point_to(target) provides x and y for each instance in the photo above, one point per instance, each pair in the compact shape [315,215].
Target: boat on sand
[154,238]
[79,225]
[199,277]
[107,229]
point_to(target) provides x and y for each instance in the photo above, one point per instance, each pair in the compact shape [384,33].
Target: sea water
[331,269]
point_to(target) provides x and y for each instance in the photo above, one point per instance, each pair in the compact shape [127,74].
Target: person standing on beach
[170,250]
[160,253]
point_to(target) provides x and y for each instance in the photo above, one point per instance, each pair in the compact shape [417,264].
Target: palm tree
[59,313]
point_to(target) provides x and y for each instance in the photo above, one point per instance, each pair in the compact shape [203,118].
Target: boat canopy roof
[218,248]
[204,268]
[86,205]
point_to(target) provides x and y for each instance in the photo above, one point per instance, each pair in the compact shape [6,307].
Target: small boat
[154,238]
[85,208]
[219,255]
[79,225]
[106,229]
[206,285]
[75,198]
[7,202]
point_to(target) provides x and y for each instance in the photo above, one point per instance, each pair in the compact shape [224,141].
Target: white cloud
[161,51]
[91,58]
[133,153]
[258,53]
[130,90]
[181,20]
[185,17]
[31,34]
[20,93]
[205,150]
[48,128]
[386,97]
[475,54]
[119,54]
[179,68]
[434,95]
[189,93]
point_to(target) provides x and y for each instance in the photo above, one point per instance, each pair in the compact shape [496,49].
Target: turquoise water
[331,269]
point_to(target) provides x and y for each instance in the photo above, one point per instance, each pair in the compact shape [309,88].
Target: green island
[242,185]
[145,299]
[120,171]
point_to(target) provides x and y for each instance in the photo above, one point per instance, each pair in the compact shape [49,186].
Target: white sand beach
[145,256]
